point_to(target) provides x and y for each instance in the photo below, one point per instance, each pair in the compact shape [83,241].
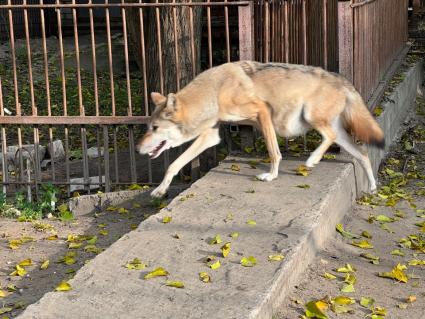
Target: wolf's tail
[360,121]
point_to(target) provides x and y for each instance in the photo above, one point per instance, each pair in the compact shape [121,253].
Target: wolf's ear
[171,106]
[158,98]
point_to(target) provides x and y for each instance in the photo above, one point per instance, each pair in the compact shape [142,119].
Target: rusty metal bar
[74,120]
[226,26]
[107,5]
[111,68]
[5,168]
[106,158]
[210,61]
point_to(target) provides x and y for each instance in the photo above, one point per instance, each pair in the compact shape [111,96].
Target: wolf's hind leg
[328,136]
[266,124]
[344,140]
[207,139]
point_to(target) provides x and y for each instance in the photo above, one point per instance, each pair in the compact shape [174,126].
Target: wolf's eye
[154,127]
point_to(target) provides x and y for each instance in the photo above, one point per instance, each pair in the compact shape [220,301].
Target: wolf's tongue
[157,149]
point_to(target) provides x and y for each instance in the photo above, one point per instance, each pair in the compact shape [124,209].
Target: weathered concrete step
[290,220]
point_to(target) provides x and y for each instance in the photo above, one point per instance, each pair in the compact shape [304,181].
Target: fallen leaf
[366,234]
[397,252]
[45,264]
[411,299]
[397,273]
[19,271]
[328,276]
[249,261]
[350,278]
[70,271]
[234,235]
[215,240]
[417,262]
[135,264]
[3,293]
[52,237]
[315,309]
[63,286]
[25,263]
[214,265]
[343,300]
[276,257]
[372,258]
[364,244]
[103,232]
[384,219]
[367,302]
[347,268]
[302,170]
[135,187]
[156,273]
[304,186]
[225,249]
[11,288]
[136,205]
[92,249]
[340,229]
[175,284]
[348,288]
[123,210]
[92,241]
[329,156]
[402,306]
[166,219]
[205,277]
[235,168]
[111,208]
[251,222]
[5,310]
[74,245]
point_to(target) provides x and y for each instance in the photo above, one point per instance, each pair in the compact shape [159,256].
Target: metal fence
[72,105]
[372,34]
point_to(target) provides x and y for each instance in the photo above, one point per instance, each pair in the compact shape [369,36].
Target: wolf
[277,98]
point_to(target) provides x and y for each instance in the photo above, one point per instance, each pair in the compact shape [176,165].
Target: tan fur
[278,98]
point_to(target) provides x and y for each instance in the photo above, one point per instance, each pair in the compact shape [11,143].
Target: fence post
[345,40]
[246,52]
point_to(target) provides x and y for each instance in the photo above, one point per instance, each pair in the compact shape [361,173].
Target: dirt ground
[21,291]
[408,158]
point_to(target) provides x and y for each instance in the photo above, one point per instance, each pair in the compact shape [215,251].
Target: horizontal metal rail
[74,120]
[122,5]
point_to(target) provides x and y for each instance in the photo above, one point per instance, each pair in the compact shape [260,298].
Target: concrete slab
[290,220]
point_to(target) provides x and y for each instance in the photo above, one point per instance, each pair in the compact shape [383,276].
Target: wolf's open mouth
[155,153]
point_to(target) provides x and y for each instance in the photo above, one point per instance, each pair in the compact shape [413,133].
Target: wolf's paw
[158,192]
[311,162]
[373,189]
[266,177]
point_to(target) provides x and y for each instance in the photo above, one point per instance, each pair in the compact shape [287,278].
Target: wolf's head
[164,131]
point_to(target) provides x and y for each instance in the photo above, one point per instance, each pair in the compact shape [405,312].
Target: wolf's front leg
[207,139]
[265,121]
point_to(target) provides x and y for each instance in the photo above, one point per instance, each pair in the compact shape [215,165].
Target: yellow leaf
[133,226]
[402,306]
[315,309]
[215,265]
[372,258]
[11,288]
[266,160]
[366,234]
[367,302]
[347,268]
[364,244]
[175,284]
[234,235]
[329,276]
[122,210]
[276,257]
[136,205]
[303,170]
[397,273]
[215,240]
[225,249]
[135,187]
[111,208]
[397,252]
[19,271]
[205,277]
[166,219]
[5,310]
[329,156]
[74,245]
[103,232]
[350,278]
[343,300]
[417,262]
[25,263]
[411,299]
[52,237]
[251,222]
[304,186]
[69,271]
[92,241]
[92,249]
[235,168]
[340,229]
[76,194]
[156,273]
[45,264]
[249,261]
[103,225]
[135,264]
[348,288]
[3,293]
[63,286]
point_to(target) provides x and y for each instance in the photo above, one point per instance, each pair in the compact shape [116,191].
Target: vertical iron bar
[106,158]
[226,25]
[5,169]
